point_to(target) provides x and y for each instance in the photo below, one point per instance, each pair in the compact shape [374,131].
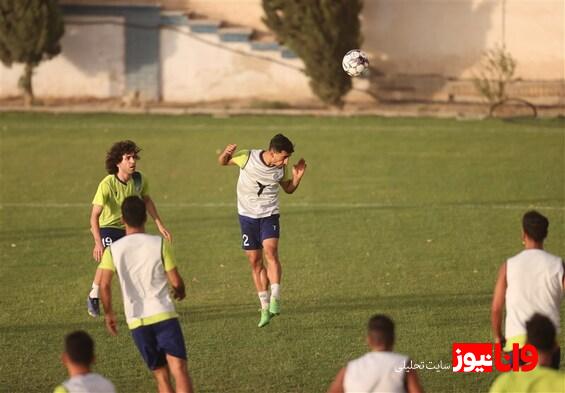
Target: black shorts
[110,235]
[255,230]
[157,340]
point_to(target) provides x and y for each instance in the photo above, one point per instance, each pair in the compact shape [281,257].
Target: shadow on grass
[34,234]
[557,122]
[18,329]
[341,306]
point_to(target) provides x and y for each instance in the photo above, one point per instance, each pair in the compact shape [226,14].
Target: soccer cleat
[265,318]
[275,306]
[93,305]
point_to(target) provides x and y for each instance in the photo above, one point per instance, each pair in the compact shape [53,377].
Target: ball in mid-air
[355,62]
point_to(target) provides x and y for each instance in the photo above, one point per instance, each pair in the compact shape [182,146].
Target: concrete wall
[448,37]
[431,49]
[242,12]
[444,37]
[141,25]
[85,68]
[199,68]
[535,35]
[425,49]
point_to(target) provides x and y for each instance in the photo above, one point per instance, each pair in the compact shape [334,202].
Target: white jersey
[141,261]
[87,383]
[257,185]
[376,372]
[534,285]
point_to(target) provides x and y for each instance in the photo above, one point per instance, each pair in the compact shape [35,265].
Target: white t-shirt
[86,383]
[376,372]
[141,262]
[257,185]
[534,285]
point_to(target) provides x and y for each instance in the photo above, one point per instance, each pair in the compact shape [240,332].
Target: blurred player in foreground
[542,379]
[528,283]
[145,266]
[380,370]
[78,358]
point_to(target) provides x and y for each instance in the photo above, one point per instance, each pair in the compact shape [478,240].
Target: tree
[496,73]
[30,31]
[320,32]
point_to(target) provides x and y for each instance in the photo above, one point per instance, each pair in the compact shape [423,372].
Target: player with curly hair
[106,226]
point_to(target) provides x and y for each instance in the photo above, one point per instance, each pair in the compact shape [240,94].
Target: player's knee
[176,363]
[178,367]
[257,267]
[271,255]
[255,261]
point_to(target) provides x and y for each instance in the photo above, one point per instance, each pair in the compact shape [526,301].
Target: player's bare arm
[152,210]
[298,170]
[106,298]
[225,157]
[177,284]
[337,384]
[498,305]
[413,382]
[563,262]
[95,230]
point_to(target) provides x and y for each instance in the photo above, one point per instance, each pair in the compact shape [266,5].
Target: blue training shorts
[159,339]
[110,235]
[255,230]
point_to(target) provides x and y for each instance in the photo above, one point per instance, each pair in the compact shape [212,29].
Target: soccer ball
[355,62]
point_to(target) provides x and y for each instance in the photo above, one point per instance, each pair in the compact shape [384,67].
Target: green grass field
[408,217]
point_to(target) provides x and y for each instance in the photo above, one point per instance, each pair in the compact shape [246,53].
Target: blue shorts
[159,339]
[110,235]
[255,230]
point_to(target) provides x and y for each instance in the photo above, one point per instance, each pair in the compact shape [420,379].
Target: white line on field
[339,205]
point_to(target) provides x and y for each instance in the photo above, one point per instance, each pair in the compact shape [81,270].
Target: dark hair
[381,329]
[281,143]
[535,225]
[79,346]
[134,212]
[116,153]
[541,332]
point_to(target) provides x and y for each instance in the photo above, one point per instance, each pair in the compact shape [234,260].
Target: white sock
[276,291]
[264,299]
[94,291]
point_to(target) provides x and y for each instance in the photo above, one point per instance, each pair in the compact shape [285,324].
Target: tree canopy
[30,31]
[320,32]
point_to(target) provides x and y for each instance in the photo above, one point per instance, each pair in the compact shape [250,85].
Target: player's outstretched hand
[111,323]
[299,168]
[225,157]
[230,149]
[97,253]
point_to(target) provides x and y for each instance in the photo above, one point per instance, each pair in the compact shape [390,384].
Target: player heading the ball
[261,172]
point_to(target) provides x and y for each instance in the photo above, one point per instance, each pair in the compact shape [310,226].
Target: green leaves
[30,31]
[320,32]
[496,72]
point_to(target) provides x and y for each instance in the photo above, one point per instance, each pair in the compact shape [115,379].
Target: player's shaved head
[380,330]
[281,143]
[116,154]
[134,212]
[79,347]
[535,225]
